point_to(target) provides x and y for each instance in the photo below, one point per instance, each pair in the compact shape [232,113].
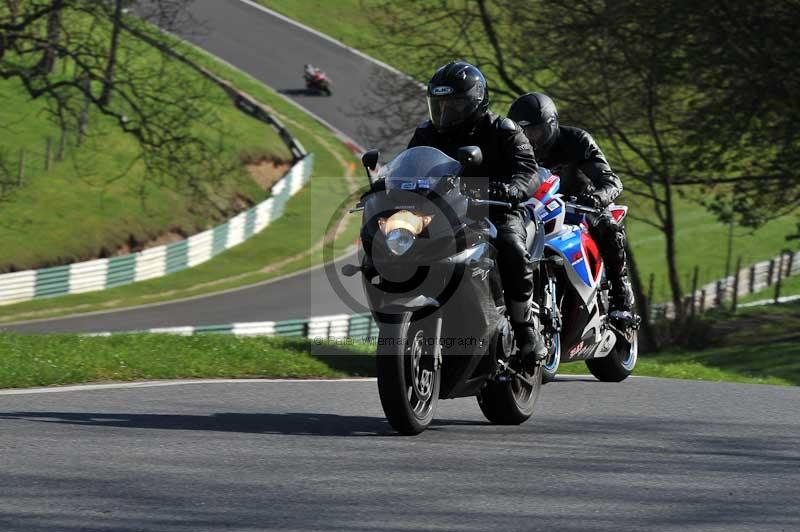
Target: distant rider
[310,71]
[586,174]
[458,102]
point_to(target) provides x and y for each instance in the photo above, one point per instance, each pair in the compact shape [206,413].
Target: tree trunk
[111,65]
[671,256]
[48,61]
[647,340]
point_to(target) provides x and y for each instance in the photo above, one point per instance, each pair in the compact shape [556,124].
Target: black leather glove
[589,200]
[500,191]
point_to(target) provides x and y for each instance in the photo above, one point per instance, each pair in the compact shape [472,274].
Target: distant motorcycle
[575,278]
[319,82]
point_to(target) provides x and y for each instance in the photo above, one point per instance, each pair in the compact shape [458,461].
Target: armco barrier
[356,327]
[158,261]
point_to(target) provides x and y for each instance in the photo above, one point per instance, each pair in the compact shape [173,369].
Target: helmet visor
[539,134]
[451,111]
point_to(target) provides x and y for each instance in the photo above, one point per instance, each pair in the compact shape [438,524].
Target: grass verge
[740,355]
[757,344]
[41,360]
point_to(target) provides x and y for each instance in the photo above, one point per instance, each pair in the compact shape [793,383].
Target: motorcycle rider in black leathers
[585,173]
[458,102]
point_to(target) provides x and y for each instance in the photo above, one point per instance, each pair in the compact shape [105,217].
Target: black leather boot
[621,303]
[527,332]
[621,294]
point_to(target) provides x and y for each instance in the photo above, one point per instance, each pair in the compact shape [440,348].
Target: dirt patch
[265,171]
[132,245]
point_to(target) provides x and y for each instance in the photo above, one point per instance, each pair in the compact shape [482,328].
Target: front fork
[549,312]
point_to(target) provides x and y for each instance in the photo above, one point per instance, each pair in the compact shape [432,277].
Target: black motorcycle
[429,273]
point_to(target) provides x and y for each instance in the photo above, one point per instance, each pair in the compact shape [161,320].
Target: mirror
[370,159]
[470,156]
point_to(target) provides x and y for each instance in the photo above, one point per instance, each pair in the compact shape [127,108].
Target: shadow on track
[302,92]
[291,423]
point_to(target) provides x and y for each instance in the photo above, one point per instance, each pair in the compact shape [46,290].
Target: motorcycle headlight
[401,229]
[399,241]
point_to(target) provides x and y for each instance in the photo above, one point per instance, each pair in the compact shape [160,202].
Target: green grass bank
[738,353]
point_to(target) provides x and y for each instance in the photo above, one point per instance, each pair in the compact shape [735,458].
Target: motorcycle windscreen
[420,167]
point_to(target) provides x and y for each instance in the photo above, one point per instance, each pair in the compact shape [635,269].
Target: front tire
[408,375]
[553,360]
[619,364]
[511,403]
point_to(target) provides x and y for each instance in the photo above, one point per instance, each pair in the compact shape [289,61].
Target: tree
[105,57]
[745,113]
[654,80]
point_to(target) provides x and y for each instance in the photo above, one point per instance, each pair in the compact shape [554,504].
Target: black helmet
[457,96]
[537,115]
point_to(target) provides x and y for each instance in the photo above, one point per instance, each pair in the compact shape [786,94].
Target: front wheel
[553,360]
[619,364]
[408,373]
[511,403]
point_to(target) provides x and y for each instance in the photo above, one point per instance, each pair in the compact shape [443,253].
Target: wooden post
[62,144]
[702,300]
[780,276]
[770,272]
[751,281]
[693,297]
[83,119]
[48,153]
[718,296]
[736,283]
[21,171]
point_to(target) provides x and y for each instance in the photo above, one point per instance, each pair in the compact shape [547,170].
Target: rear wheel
[618,365]
[513,402]
[408,373]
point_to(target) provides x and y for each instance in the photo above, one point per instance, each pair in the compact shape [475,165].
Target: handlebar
[582,208]
[480,202]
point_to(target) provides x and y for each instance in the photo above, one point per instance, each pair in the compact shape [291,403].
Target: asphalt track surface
[273,51]
[646,454]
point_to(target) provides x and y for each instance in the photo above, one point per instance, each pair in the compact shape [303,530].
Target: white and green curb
[357,327]
[101,274]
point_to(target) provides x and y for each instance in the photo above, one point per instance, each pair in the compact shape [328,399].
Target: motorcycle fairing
[569,244]
[548,188]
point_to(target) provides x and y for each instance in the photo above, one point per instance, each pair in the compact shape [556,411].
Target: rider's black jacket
[507,154]
[575,149]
